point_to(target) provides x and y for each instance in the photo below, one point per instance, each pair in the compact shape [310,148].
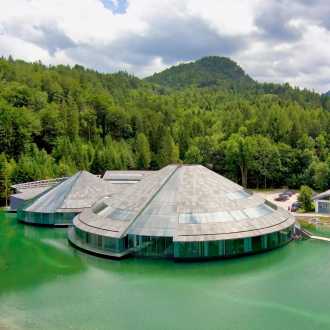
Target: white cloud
[273,40]
[21,49]
[228,16]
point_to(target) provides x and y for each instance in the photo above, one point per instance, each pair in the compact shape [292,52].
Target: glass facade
[98,242]
[50,219]
[151,246]
[164,247]
[232,248]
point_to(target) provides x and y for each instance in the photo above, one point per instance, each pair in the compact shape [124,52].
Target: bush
[305,198]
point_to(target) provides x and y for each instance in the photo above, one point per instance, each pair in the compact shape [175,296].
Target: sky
[272,40]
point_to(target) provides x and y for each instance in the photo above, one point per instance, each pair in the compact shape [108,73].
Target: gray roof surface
[129,175]
[325,194]
[74,194]
[186,203]
[27,194]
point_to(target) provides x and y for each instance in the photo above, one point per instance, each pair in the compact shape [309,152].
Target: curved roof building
[182,212]
[59,204]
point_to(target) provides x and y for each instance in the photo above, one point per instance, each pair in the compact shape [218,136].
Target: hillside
[223,74]
[210,71]
[57,120]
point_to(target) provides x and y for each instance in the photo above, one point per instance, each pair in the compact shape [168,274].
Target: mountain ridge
[210,71]
[222,73]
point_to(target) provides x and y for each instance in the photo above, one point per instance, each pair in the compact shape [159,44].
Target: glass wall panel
[149,246]
[64,218]
[247,245]
[231,248]
[99,242]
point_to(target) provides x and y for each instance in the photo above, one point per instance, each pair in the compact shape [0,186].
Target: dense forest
[56,120]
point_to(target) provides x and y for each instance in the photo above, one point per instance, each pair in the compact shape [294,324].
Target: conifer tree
[169,151]
[5,178]
[143,151]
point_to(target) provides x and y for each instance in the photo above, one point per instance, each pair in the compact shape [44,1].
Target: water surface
[320,229]
[47,284]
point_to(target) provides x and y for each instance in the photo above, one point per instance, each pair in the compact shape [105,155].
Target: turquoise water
[322,230]
[47,284]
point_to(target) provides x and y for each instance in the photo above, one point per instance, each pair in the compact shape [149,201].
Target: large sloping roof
[187,203]
[74,194]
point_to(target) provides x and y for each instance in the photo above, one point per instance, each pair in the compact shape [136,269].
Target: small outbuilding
[17,200]
[322,202]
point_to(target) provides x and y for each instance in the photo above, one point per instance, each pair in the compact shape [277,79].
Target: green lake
[47,284]
[318,229]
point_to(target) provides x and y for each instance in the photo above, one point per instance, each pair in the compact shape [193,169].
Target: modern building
[59,204]
[182,212]
[322,202]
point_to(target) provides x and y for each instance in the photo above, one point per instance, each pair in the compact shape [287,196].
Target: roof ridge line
[177,166]
[69,190]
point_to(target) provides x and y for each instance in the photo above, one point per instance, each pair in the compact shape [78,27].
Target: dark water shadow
[31,256]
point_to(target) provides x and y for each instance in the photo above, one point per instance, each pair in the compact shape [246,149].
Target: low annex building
[20,198]
[181,212]
[59,204]
[28,190]
[322,202]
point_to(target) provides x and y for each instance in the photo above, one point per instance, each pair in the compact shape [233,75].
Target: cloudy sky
[273,40]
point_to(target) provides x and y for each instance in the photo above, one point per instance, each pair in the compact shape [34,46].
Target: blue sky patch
[116,6]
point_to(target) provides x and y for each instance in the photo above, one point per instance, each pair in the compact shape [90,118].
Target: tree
[52,126]
[71,113]
[305,198]
[102,103]
[34,165]
[88,127]
[279,125]
[266,158]
[6,169]
[193,155]
[321,175]
[321,147]
[66,168]
[143,151]
[286,173]
[238,152]
[258,134]
[169,151]
[17,128]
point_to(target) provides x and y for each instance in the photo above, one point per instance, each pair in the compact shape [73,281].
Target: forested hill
[56,120]
[222,73]
[210,71]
